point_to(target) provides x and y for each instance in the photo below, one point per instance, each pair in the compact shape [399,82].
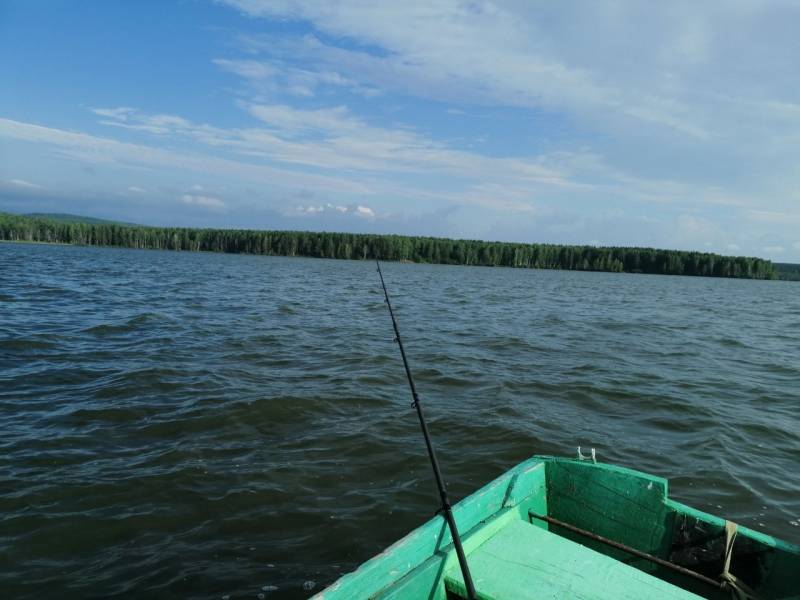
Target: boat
[576,528]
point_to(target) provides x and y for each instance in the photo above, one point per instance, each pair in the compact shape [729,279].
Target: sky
[668,124]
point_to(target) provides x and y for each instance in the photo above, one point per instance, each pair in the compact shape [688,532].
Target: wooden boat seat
[526,561]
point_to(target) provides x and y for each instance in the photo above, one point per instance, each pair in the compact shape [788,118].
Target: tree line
[387,247]
[788,271]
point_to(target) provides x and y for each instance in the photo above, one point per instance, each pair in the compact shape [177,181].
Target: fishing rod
[446,509]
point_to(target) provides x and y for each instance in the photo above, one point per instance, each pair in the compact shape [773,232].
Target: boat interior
[561,528]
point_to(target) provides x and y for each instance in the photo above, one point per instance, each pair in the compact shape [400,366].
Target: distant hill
[67,218]
[788,271]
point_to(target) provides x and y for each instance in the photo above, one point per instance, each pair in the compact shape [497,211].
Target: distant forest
[788,271]
[387,247]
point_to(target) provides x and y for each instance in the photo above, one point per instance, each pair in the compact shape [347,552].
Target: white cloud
[121,112]
[511,54]
[250,69]
[96,150]
[277,77]
[773,216]
[364,212]
[368,159]
[773,249]
[24,184]
[677,79]
[354,210]
[204,201]
[293,121]
[334,139]
[136,189]
[687,111]
[131,118]
[691,230]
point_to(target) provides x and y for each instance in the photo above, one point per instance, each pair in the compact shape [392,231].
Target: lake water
[181,425]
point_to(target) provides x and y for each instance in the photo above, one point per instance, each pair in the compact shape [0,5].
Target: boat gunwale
[471,523]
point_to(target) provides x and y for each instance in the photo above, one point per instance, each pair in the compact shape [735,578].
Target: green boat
[561,528]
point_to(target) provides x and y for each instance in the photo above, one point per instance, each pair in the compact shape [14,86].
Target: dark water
[202,426]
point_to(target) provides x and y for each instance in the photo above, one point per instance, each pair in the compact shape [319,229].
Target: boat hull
[516,554]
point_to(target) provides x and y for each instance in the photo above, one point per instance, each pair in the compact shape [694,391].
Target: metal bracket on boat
[592,457]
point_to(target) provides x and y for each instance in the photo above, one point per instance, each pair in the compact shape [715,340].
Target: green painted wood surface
[427,580]
[614,502]
[525,562]
[426,544]
[618,503]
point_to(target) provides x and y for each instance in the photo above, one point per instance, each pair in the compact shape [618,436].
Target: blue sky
[625,123]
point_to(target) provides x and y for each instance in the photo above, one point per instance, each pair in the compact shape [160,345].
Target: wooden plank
[621,504]
[525,562]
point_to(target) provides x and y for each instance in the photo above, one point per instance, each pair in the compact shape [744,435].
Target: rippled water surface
[201,425]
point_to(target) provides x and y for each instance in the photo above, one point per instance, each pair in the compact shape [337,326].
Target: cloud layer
[672,124]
